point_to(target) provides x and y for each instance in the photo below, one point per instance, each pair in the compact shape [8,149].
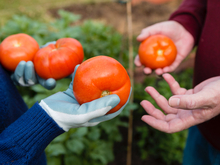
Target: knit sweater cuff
[34,130]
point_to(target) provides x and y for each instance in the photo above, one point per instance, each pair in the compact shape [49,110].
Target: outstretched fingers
[172,126]
[174,85]
[155,117]
[151,110]
[158,124]
[169,123]
[160,100]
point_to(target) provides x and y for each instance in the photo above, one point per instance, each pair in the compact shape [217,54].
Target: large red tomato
[100,76]
[16,48]
[157,51]
[58,60]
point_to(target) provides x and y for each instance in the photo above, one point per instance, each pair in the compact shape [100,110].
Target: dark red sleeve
[191,14]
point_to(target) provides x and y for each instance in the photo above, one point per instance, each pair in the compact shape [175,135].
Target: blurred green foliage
[95,145]
[152,143]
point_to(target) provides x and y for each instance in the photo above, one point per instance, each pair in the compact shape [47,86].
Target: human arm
[184,28]
[186,108]
[191,15]
[24,140]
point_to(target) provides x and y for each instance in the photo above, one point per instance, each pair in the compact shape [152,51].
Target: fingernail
[173,102]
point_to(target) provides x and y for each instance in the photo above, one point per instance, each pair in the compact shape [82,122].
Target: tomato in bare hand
[16,48]
[157,51]
[100,76]
[58,60]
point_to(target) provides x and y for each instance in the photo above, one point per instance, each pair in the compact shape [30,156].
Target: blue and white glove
[25,75]
[68,113]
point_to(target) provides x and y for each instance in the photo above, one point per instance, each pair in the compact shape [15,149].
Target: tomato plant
[157,51]
[58,60]
[16,48]
[101,76]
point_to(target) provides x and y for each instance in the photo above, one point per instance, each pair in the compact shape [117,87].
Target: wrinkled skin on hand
[186,108]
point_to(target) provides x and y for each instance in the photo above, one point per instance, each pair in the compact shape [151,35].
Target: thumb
[48,84]
[108,101]
[190,102]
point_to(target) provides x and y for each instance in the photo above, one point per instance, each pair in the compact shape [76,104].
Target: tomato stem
[105,93]
[17,44]
[160,52]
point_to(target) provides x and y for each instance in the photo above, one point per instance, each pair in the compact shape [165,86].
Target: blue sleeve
[24,141]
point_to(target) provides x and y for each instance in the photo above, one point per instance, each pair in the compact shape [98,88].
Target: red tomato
[158,1]
[16,48]
[58,60]
[157,51]
[100,76]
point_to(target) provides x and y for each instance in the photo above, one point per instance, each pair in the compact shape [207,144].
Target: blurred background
[101,27]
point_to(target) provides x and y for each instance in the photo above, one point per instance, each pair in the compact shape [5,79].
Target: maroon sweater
[202,19]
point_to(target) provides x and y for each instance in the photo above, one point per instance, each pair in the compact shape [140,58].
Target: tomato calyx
[54,50]
[16,44]
[105,93]
[160,55]
[160,52]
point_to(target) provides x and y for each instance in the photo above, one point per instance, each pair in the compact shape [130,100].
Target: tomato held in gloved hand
[16,48]
[101,76]
[58,60]
[157,51]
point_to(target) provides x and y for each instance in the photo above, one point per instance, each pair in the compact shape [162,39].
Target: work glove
[68,113]
[25,75]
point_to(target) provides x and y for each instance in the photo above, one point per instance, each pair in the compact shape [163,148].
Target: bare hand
[179,35]
[186,108]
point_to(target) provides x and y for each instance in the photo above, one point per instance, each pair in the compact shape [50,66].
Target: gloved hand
[25,75]
[68,113]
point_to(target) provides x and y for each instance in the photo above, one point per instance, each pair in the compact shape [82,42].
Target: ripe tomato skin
[16,48]
[158,1]
[98,75]
[157,51]
[58,60]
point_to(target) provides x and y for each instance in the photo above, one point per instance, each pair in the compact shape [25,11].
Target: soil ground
[114,14]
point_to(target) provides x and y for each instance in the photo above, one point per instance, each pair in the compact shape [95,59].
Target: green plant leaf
[72,159]
[94,133]
[61,138]
[55,149]
[53,160]
[80,132]
[75,146]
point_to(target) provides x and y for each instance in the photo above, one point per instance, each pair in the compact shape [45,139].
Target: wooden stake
[131,73]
